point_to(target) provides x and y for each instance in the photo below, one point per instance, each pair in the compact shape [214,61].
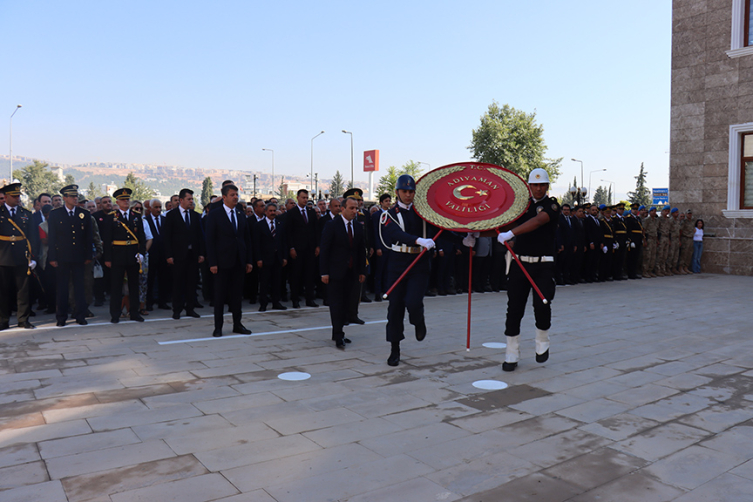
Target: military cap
[652,209]
[70,190]
[355,193]
[635,205]
[12,189]
[689,211]
[665,208]
[641,208]
[602,207]
[122,193]
[674,210]
[627,212]
[586,205]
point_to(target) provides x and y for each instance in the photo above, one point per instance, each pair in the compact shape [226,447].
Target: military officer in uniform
[620,232]
[607,244]
[400,229]
[71,244]
[18,236]
[635,241]
[125,246]
[535,246]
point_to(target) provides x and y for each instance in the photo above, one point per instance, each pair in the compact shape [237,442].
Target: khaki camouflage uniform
[686,244]
[662,248]
[651,227]
[674,244]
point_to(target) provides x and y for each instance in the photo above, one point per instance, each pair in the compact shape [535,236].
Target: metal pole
[10,178]
[311,180]
[316,186]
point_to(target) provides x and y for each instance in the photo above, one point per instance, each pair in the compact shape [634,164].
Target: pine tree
[641,195]
[141,191]
[600,196]
[206,191]
[568,198]
[337,187]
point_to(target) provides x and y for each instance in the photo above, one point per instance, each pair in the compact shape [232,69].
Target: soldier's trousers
[662,251]
[674,254]
[649,256]
[686,252]
[408,294]
[518,289]
[118,271]
[14,280]
[73,274]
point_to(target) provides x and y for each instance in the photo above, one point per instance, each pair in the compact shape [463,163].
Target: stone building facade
[711,148]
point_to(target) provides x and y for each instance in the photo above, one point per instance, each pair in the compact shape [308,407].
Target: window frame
[743,161]
[740,29]
[735,173]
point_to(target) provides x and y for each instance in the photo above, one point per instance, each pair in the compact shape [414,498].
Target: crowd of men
[71,253]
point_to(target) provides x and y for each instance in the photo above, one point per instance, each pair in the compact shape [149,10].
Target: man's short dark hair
[184,192]
[384,196]
[226,188]
[565,206]
[257,201]
[302,190]
[270,204]
[345,202]
[227,182]
[39,199]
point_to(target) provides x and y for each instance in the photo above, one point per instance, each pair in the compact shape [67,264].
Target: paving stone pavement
[647,396]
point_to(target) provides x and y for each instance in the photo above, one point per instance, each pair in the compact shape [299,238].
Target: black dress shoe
[217,333]
[61,323]
[193,313]
[509,366]
[346,340]
[176,315]
[196,306]
[296,305]
[279,306]
[26,325]
[115,320]
[262,308]
[394,358]
[356,320]
[340,344]
[377,297]
[365,299]
[82,322]
[421,332]
[542,358]
[311,303]
[241,329]
[137,318]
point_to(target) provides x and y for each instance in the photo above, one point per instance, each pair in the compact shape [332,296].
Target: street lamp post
[273,167]
[611,190]
[579,191]
[419,163]
[352,183]
[311,180]
[316,186]
[589,178]
[10,177]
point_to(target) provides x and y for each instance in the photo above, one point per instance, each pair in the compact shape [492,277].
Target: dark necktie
[569,223]
[71,213]
[273,228]
[187,218]
[305,217]
[232,219]
[12,212]
[159,230]
[350,238]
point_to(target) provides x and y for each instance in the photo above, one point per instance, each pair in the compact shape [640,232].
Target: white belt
[536,259]
[406,249]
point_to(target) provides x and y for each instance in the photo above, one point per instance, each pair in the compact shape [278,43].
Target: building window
[742,29]
[740,172]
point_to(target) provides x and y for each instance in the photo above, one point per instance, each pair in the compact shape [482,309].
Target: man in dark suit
[158,280]
[335,206]
[18,237]
[257,213]
[579,244]
[269,249]
[103,283]
[300,222]
[593,244]
[564,246]
[125,244]
[70,239]
[184,250]
[342,263]
[230,257]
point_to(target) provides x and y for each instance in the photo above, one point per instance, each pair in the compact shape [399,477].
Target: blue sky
[209,84]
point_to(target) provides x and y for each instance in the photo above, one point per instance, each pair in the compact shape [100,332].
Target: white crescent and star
[458,192]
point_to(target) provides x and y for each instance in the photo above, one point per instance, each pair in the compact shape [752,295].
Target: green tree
[69,180]
[601,196]
[569,198]
[512,139]
[36,178]
[337,187]
[93,191]
[141,190]
[206,191]
[389,180]
[350,185]
[641,195]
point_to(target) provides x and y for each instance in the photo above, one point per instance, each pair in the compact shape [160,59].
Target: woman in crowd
[697,247]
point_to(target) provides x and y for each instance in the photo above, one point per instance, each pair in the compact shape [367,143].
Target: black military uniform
[607,243]
[635,250]
[621,238]
[536,249]
[18,236]
[71,245]
[124,242]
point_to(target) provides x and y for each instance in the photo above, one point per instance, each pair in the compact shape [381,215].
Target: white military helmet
[538,175]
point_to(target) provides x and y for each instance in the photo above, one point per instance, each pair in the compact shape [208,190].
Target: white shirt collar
[269,222]
[9,208]
[404,206]
[346,221]
[228,211]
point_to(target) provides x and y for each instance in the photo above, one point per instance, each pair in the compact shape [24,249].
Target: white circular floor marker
[489,385]
[294,376]
[494,345]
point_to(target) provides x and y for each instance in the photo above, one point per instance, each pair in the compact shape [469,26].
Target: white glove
[476,235]
[604,249]
[427,243]
[505,236]
[616,246]
[32,264]
[469,240]
[632,245]
[140,258]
